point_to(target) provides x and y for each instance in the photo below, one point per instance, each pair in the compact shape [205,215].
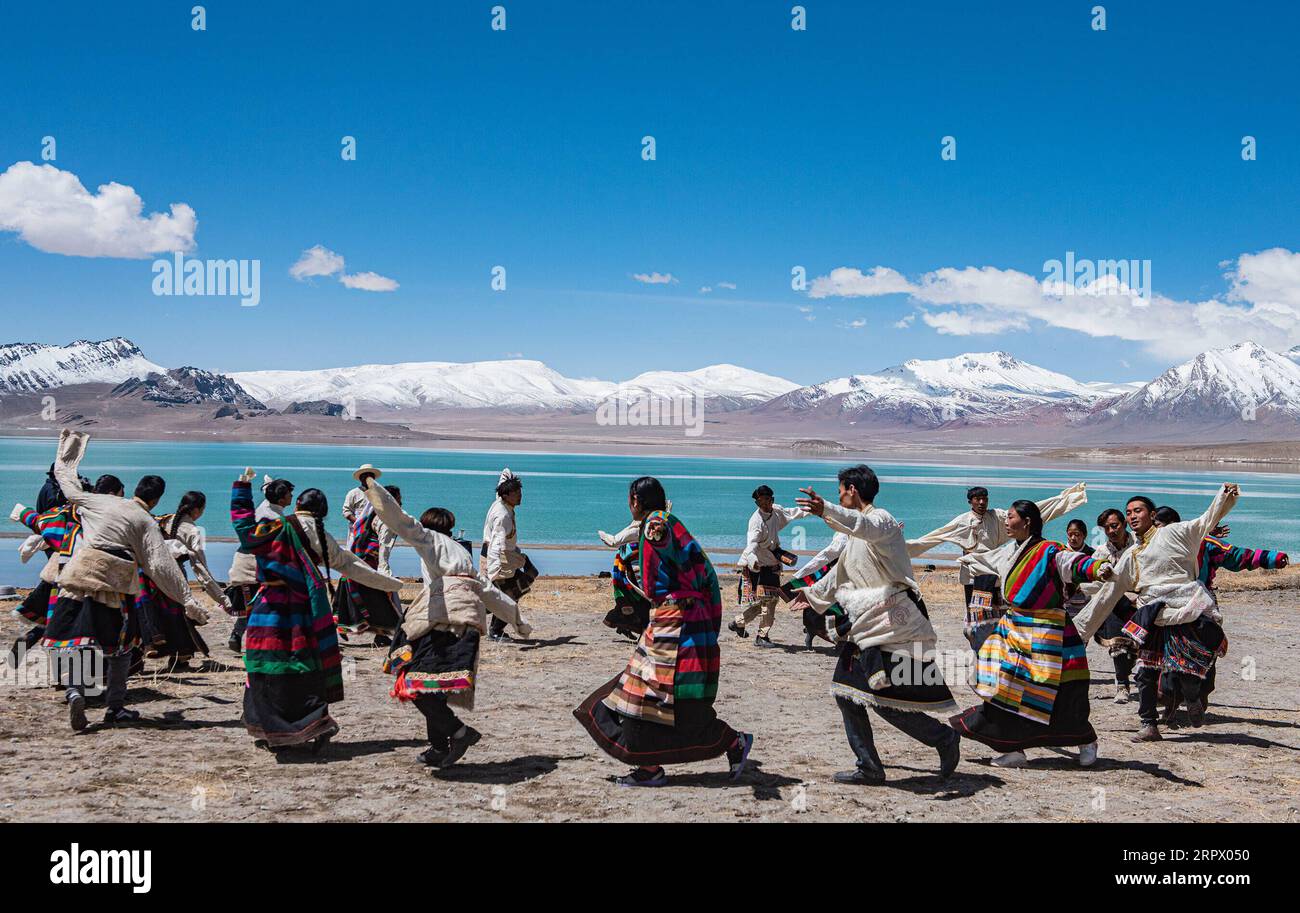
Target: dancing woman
[659,710]
[291,648]
[1033,669]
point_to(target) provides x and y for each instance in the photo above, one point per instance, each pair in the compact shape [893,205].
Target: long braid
[190,501]
[324,553]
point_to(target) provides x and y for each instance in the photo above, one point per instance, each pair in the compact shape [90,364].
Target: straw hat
[366,468]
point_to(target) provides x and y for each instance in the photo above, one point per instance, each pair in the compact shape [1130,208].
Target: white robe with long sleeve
[503,556]
[870,582]
[1161,567]
[763,536]
[830,553]
[974,533]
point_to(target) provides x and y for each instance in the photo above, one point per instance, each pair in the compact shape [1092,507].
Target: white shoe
[1088,754]
[1011,759]
[1121,694]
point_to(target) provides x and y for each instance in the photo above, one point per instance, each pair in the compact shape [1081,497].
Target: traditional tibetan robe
[436,649]
[165,628]
[1217,554]
[887,643]
[631,612]
[1033,669]
[291,649]
[659,710]
[98,584]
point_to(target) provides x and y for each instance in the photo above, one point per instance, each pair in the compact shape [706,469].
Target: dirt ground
[191,760]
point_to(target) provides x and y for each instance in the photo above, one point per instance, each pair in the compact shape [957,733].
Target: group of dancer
[114,585]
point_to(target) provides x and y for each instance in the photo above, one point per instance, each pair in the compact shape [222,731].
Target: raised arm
[1237,558]
[1059,505]
[255,536]
[72,447]
[1190,533]
[1076,567]
[789,514]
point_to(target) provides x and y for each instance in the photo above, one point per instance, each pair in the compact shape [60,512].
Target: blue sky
[775,148]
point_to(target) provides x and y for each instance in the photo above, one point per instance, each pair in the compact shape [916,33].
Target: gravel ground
[191,759]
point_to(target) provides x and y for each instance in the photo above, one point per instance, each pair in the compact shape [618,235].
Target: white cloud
[321,261]
[52,211]
[905,322]
[1262,303]
[316,261]
[727,285]
[705,289]
[845,282]
[369,282]
[514,355]
[852,324]
[655,278]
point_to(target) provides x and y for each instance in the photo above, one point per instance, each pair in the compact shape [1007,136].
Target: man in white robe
[1162,568]
[760,564]
[503,563]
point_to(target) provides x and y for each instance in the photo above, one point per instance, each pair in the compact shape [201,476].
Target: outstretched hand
[813,503]
[1231,490]
[248,475]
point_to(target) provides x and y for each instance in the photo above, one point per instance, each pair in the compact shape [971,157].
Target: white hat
[365,468]
[506,476]
[266,480]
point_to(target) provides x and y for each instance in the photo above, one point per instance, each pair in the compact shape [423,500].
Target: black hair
[1029,512]
[1101,517]
[313,501]
[277,490]
[438,519]
[862,478]
[150,489]
[761,491]
[649,494]
[979,491]
[109,485]
[1151,505]
[1167,515]
[190,501]
[1077,522]
[395,492]
[508,486]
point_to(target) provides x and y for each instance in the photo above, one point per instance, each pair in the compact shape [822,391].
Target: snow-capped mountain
[412,385]
[1106,388]
[181,386]
[1294,354]
[724,387]
[29,367]
[1245,382]
[931,393]
[516,384]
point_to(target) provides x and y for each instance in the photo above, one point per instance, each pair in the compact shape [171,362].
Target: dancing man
[887,651]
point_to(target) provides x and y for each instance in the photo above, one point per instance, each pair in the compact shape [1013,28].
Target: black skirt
[359,608]
[902,681]
[165,629]
[84,622]
[287,709]
[696,734]
[1005,731]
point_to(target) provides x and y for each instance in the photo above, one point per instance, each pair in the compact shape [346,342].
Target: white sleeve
[1189,533]
[1059,505]
[789,514]
[749,558]
[353,568]
[830,553]
[855,523]
[629,533]
[958,531]
[72,447]
[496,546]
[1090,618]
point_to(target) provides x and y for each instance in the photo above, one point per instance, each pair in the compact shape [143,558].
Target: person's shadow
[765,786]
[343,751]
[566,641]
[502,773]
